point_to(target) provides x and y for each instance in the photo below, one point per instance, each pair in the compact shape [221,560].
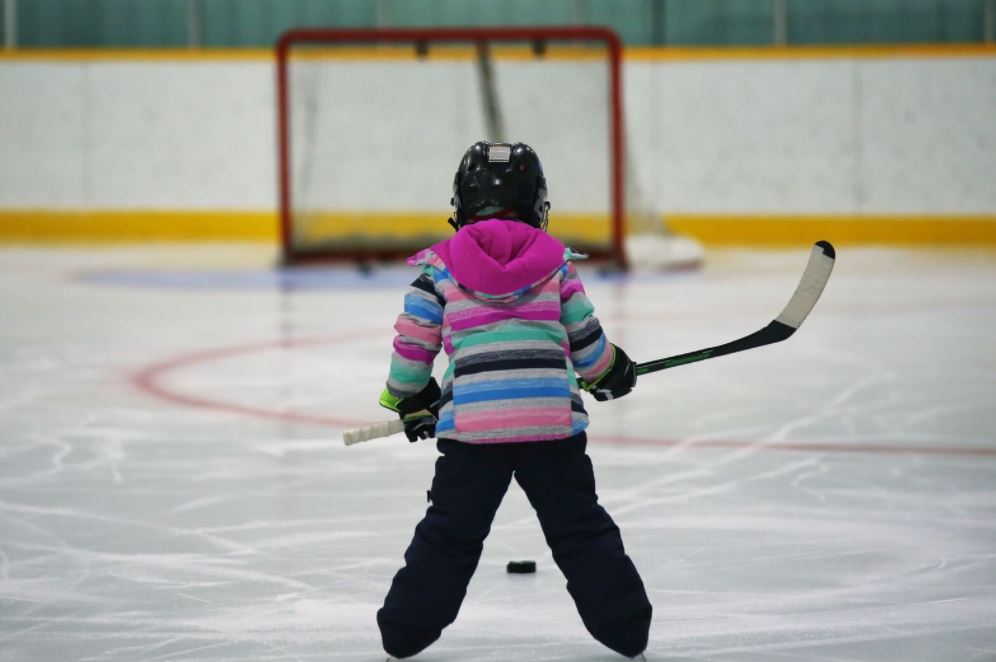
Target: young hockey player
[504,300]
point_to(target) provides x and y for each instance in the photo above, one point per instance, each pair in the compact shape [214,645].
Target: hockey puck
[520,567]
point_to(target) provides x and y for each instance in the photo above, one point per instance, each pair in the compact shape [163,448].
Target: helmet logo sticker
[499,153]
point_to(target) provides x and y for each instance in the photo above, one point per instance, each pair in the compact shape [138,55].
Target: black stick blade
[827,249]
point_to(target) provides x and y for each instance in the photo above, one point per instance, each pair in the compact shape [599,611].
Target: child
[505,302]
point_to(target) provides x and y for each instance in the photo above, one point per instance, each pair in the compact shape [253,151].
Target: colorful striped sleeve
[591,352]
[419,337]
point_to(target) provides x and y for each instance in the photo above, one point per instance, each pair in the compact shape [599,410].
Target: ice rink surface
[173,484]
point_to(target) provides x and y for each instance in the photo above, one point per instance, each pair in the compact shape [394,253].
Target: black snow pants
[467,489]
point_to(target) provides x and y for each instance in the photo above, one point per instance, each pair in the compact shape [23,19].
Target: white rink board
[833,136]
[145,135]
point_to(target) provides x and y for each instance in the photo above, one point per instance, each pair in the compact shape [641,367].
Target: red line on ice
[149,381]
[807,447]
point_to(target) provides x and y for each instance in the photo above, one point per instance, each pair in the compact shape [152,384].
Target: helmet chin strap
[545,220]
[454,219]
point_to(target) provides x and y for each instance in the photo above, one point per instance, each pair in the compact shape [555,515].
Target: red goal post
[296,249]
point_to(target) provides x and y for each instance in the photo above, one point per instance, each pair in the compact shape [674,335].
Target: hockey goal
[372,124]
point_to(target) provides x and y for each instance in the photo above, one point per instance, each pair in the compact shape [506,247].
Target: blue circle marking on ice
[304,278]
[292,279]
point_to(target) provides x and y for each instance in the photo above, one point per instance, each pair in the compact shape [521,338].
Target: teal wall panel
[895,21]
[718,22]
[426,13]
[84,23]
[227,23]
[634,20]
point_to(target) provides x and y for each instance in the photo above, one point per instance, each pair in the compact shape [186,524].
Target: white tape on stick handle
[368,432]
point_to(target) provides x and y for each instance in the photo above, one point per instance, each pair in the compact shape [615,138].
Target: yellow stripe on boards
[44,225]
[445,52]
[326,51]
[554,52]
[853,52]
[321,225]
[135,54]
[785,230]
[41,226]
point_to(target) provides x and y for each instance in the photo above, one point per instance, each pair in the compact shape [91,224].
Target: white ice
[173,484]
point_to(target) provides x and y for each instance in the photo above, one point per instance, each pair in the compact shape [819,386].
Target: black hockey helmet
[499,180]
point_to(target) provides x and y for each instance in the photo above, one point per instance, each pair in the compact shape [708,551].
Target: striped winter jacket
[506,303]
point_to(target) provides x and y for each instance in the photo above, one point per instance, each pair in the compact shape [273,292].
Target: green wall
[164,23]
[875,21]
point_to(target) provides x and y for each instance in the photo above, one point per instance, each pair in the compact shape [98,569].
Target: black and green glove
[617,381]
[419,412]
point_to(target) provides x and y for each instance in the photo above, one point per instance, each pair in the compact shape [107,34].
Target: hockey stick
[807,293]
[368,432]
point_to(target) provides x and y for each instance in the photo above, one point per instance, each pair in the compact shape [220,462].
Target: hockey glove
[419,412]
[617,381]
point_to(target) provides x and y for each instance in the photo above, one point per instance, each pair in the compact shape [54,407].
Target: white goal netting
[375,133]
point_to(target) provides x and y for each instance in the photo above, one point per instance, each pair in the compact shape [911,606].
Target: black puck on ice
[520,567]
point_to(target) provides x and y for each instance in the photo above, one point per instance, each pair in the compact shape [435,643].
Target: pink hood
[500,257]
